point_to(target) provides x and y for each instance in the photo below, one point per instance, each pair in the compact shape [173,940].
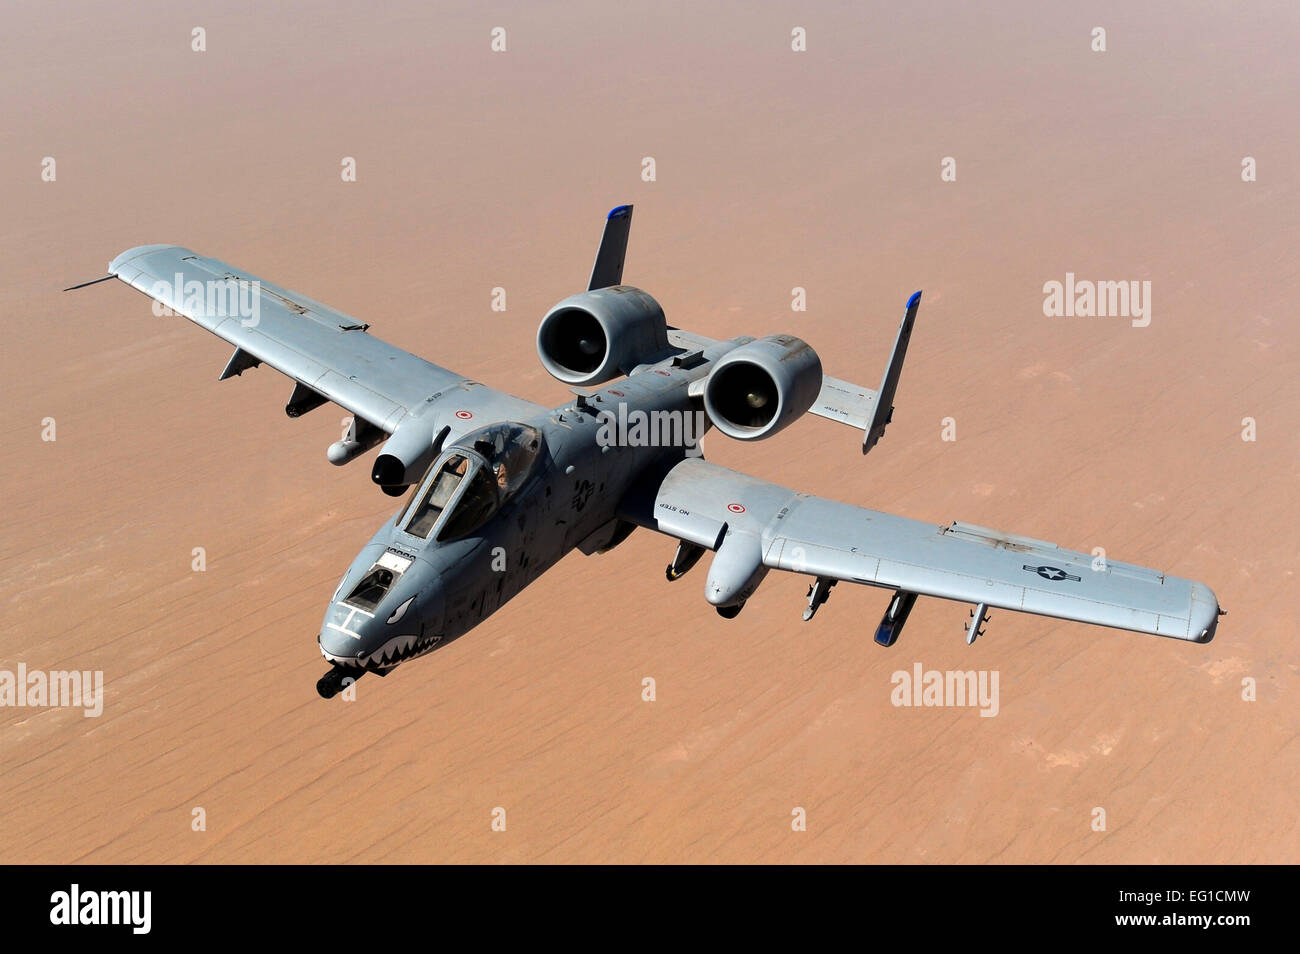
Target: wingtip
[1205,613]
[619,212]
[914,300]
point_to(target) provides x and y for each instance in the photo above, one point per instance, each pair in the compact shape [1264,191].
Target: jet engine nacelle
[761,387]
[406,455]
[597,335]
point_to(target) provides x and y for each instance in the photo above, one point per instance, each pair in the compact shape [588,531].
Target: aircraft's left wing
[713,507]
[328,353]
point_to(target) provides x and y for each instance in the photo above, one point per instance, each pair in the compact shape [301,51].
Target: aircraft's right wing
[328,353]
[713,507]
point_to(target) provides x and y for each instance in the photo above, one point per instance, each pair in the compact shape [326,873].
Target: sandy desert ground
[774,169]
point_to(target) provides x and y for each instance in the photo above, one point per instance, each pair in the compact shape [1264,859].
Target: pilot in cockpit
[508,453]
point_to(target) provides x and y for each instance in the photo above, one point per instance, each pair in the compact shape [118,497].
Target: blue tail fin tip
[621,211]
[911,302]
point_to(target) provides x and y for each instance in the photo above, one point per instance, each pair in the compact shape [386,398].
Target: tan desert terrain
[774,169]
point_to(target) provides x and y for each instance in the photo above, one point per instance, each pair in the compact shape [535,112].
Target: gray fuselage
[586,464]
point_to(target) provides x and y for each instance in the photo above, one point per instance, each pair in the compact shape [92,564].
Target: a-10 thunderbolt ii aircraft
[501,488]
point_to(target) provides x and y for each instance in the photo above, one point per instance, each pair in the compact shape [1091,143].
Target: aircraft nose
[354,639]
[342,636]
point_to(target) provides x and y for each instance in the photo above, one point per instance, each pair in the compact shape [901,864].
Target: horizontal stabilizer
[857,406]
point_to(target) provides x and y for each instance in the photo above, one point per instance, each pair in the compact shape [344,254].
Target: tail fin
[884,411]
[608,269]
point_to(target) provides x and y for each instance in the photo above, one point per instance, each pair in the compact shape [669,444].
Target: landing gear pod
[735,573]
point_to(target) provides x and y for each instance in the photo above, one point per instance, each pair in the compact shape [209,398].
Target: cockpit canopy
[470,481]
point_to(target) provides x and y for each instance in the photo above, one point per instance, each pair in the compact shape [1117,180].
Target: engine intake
[594,336]
[762,387]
